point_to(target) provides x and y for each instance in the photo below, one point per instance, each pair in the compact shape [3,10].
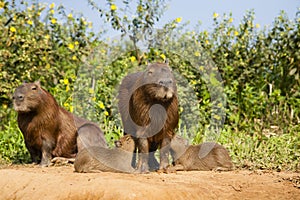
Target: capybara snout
[26,97]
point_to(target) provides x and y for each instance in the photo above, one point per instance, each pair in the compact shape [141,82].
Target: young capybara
[148,106]
[202,157]
[49,130]
[99,159]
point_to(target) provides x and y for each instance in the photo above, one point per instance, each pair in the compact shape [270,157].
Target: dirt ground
[34,182]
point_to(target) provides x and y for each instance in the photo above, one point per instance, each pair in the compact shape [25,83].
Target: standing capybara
[49,130]
[99,159]
[148,106]
[202,157]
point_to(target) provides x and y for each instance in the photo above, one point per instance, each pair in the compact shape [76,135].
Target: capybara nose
[166,82]
[18,97]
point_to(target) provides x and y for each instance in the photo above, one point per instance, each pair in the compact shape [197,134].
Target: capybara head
[27,97]
[126,143]
[178,146]
[159,81]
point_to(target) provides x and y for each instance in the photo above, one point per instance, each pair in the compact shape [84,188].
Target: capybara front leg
[47,147]
[164,153]
[34,154]
[142,144]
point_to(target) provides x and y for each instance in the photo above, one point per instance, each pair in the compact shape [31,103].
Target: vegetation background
[238,84]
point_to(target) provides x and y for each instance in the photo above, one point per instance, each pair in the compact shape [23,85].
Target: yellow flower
[217,117]
[106,113]
[257,25]
[197,53]
[90,25]
[52,11]
[236,33]
[74,58]
[12,29]
[85,22]
[4,106]
[47,65]
[71,46]
[215,15]
[230,20]
[29,22]
[101,105]
[163,56]
[66,81]
[201,68]
[53,21]
[113,7]
[52,5]
[47,37]
[206,42]
[178,19]
[132,58]
[140,8]
[91,90]
[70,16]
[67,88]
[71,108]
[193,82]
[2,4]
[76,43]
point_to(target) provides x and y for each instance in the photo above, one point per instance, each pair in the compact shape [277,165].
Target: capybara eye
[33,88]
[150,73]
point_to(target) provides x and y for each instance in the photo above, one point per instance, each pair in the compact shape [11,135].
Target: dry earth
[33,182]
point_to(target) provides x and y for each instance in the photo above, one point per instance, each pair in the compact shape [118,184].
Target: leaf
[293,71]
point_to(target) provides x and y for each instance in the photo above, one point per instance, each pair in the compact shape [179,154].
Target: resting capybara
[99,159]
[148,106]
[203,157]
[49,130]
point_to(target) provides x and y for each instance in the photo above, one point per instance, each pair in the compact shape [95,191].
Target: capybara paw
[45,164]
[62,161]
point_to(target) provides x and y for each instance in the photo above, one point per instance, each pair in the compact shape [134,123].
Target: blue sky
[195,10]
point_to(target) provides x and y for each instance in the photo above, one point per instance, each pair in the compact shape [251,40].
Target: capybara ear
[118,143]
[167,61]
[38,83]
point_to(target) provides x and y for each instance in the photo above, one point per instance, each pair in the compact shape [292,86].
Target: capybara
[202,157]
[148,106]
[99,159]
[49,130]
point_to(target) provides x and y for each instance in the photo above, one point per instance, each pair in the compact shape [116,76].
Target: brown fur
[99,159]
[202,157]
[49,130]
[148,106]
